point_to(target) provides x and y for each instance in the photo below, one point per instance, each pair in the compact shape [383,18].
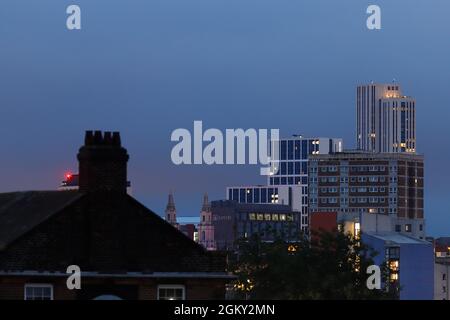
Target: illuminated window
[274,217]
[267,217]
[260,217]
[171,292]
[357,229]
[252,216]
[393,276]
[38,292]
[393,265]
[282,217]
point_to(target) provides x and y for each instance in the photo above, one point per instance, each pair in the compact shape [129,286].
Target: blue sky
[147,67]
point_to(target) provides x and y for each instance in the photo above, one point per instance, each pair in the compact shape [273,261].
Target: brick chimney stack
[102,163]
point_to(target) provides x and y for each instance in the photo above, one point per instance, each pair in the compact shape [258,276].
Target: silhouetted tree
[332,265]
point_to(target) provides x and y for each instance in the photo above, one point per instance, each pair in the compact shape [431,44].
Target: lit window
[171,292]
[252,216]
[260,216]
[282,217]
[393,265]
[393,276]
[357,229]
[38,292]
[274,217]
[267,217]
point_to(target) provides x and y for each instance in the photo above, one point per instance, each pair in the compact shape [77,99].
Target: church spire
[170,203]
[171,211]
[206,207]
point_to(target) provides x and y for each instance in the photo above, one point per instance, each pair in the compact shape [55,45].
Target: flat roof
[397,238]
[358,154]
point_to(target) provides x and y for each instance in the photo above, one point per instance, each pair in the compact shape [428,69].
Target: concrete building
[441,268]
[410,262]
[288,185]
[441,281]
[233,221]
[385,119]
[381,192]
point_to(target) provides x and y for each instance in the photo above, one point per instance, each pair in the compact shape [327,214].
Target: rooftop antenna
[393,80]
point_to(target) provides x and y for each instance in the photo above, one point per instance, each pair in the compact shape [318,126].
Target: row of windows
[45,292]
[361,168]
[352,169]
[295,150]
[288,181]
[353,190]
[352,179]
[270,217]
[292,167]
[353,210]
[334,200]
[408,228]
[253,195]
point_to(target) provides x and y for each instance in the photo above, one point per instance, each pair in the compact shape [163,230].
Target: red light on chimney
[68,176]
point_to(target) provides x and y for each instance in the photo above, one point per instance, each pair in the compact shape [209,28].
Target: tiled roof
[22,211]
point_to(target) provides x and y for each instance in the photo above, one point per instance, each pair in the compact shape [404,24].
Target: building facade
[234,221]
[288,185]
[387,186]
[409,260]
[441,281]
[385,119]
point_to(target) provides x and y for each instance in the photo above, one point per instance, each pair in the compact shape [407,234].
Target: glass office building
[288,184]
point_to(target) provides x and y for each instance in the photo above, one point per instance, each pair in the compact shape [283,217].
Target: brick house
[124,250]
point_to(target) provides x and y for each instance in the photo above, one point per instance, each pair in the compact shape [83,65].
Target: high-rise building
[205,227]
[171,211]
[378,191]
[386,119]
[288,184]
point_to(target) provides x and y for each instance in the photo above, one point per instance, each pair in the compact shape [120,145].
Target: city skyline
[146,85]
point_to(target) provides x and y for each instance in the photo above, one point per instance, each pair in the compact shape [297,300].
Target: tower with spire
[205,227]
[171,211]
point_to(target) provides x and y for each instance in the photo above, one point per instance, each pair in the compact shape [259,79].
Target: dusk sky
[148,67]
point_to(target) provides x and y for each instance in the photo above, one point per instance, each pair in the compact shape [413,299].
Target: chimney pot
[107,138]
[98,137]
[116,139]
[88,138]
